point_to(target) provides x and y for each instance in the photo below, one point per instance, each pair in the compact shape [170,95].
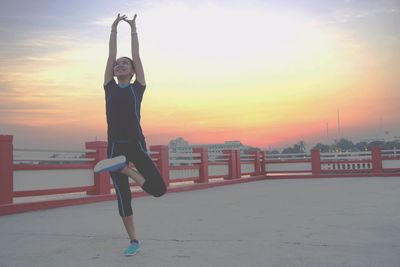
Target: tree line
[341,145]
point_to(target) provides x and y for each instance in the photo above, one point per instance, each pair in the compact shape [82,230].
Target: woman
[126,142]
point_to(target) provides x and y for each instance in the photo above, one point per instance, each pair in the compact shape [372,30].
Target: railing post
[263,162]
[238,164]
[203,167]
[231,163]
[376,155]
[101,180]
[6,169]
[257,164]
[162,161]
[315,162]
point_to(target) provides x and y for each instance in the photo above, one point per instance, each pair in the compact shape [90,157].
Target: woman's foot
[111,164]
[132,249]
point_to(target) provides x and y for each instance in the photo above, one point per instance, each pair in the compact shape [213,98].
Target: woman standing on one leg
[126,142]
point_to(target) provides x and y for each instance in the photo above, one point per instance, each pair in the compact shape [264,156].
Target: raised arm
[137,63]
[112,52]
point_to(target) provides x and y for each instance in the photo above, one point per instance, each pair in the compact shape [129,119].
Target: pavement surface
[300,222]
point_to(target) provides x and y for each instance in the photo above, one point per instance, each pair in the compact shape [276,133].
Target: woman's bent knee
[160,192]
[154,190]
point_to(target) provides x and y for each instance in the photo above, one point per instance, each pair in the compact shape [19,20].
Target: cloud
[102,21]
[234,52]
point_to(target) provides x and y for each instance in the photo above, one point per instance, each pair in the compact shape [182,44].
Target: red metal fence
[33,180]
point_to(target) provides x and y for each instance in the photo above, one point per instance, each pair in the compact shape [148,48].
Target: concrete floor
[302,222]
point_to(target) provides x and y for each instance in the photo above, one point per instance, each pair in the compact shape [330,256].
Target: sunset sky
[265,73]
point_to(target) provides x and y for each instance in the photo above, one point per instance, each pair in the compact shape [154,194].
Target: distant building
[381,139]
[181,146]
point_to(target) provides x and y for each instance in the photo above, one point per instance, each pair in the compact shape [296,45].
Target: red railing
[98,186]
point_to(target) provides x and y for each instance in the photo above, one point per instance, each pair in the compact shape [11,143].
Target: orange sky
[268,76]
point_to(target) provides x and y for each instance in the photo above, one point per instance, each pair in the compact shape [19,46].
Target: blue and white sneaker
[132,249]
[112,164]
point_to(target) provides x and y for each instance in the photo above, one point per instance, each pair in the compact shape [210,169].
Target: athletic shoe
[112,164]
[132,249]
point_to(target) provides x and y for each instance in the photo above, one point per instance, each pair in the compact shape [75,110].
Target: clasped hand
[131,22]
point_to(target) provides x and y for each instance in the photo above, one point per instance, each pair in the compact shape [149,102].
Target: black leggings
[134,152]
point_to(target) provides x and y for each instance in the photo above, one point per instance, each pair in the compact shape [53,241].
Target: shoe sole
[112,164]
[128,255]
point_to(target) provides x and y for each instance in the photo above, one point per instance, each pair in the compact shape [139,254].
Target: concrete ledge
[25,207]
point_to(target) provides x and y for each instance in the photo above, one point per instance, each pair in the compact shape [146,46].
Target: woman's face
[123,67]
